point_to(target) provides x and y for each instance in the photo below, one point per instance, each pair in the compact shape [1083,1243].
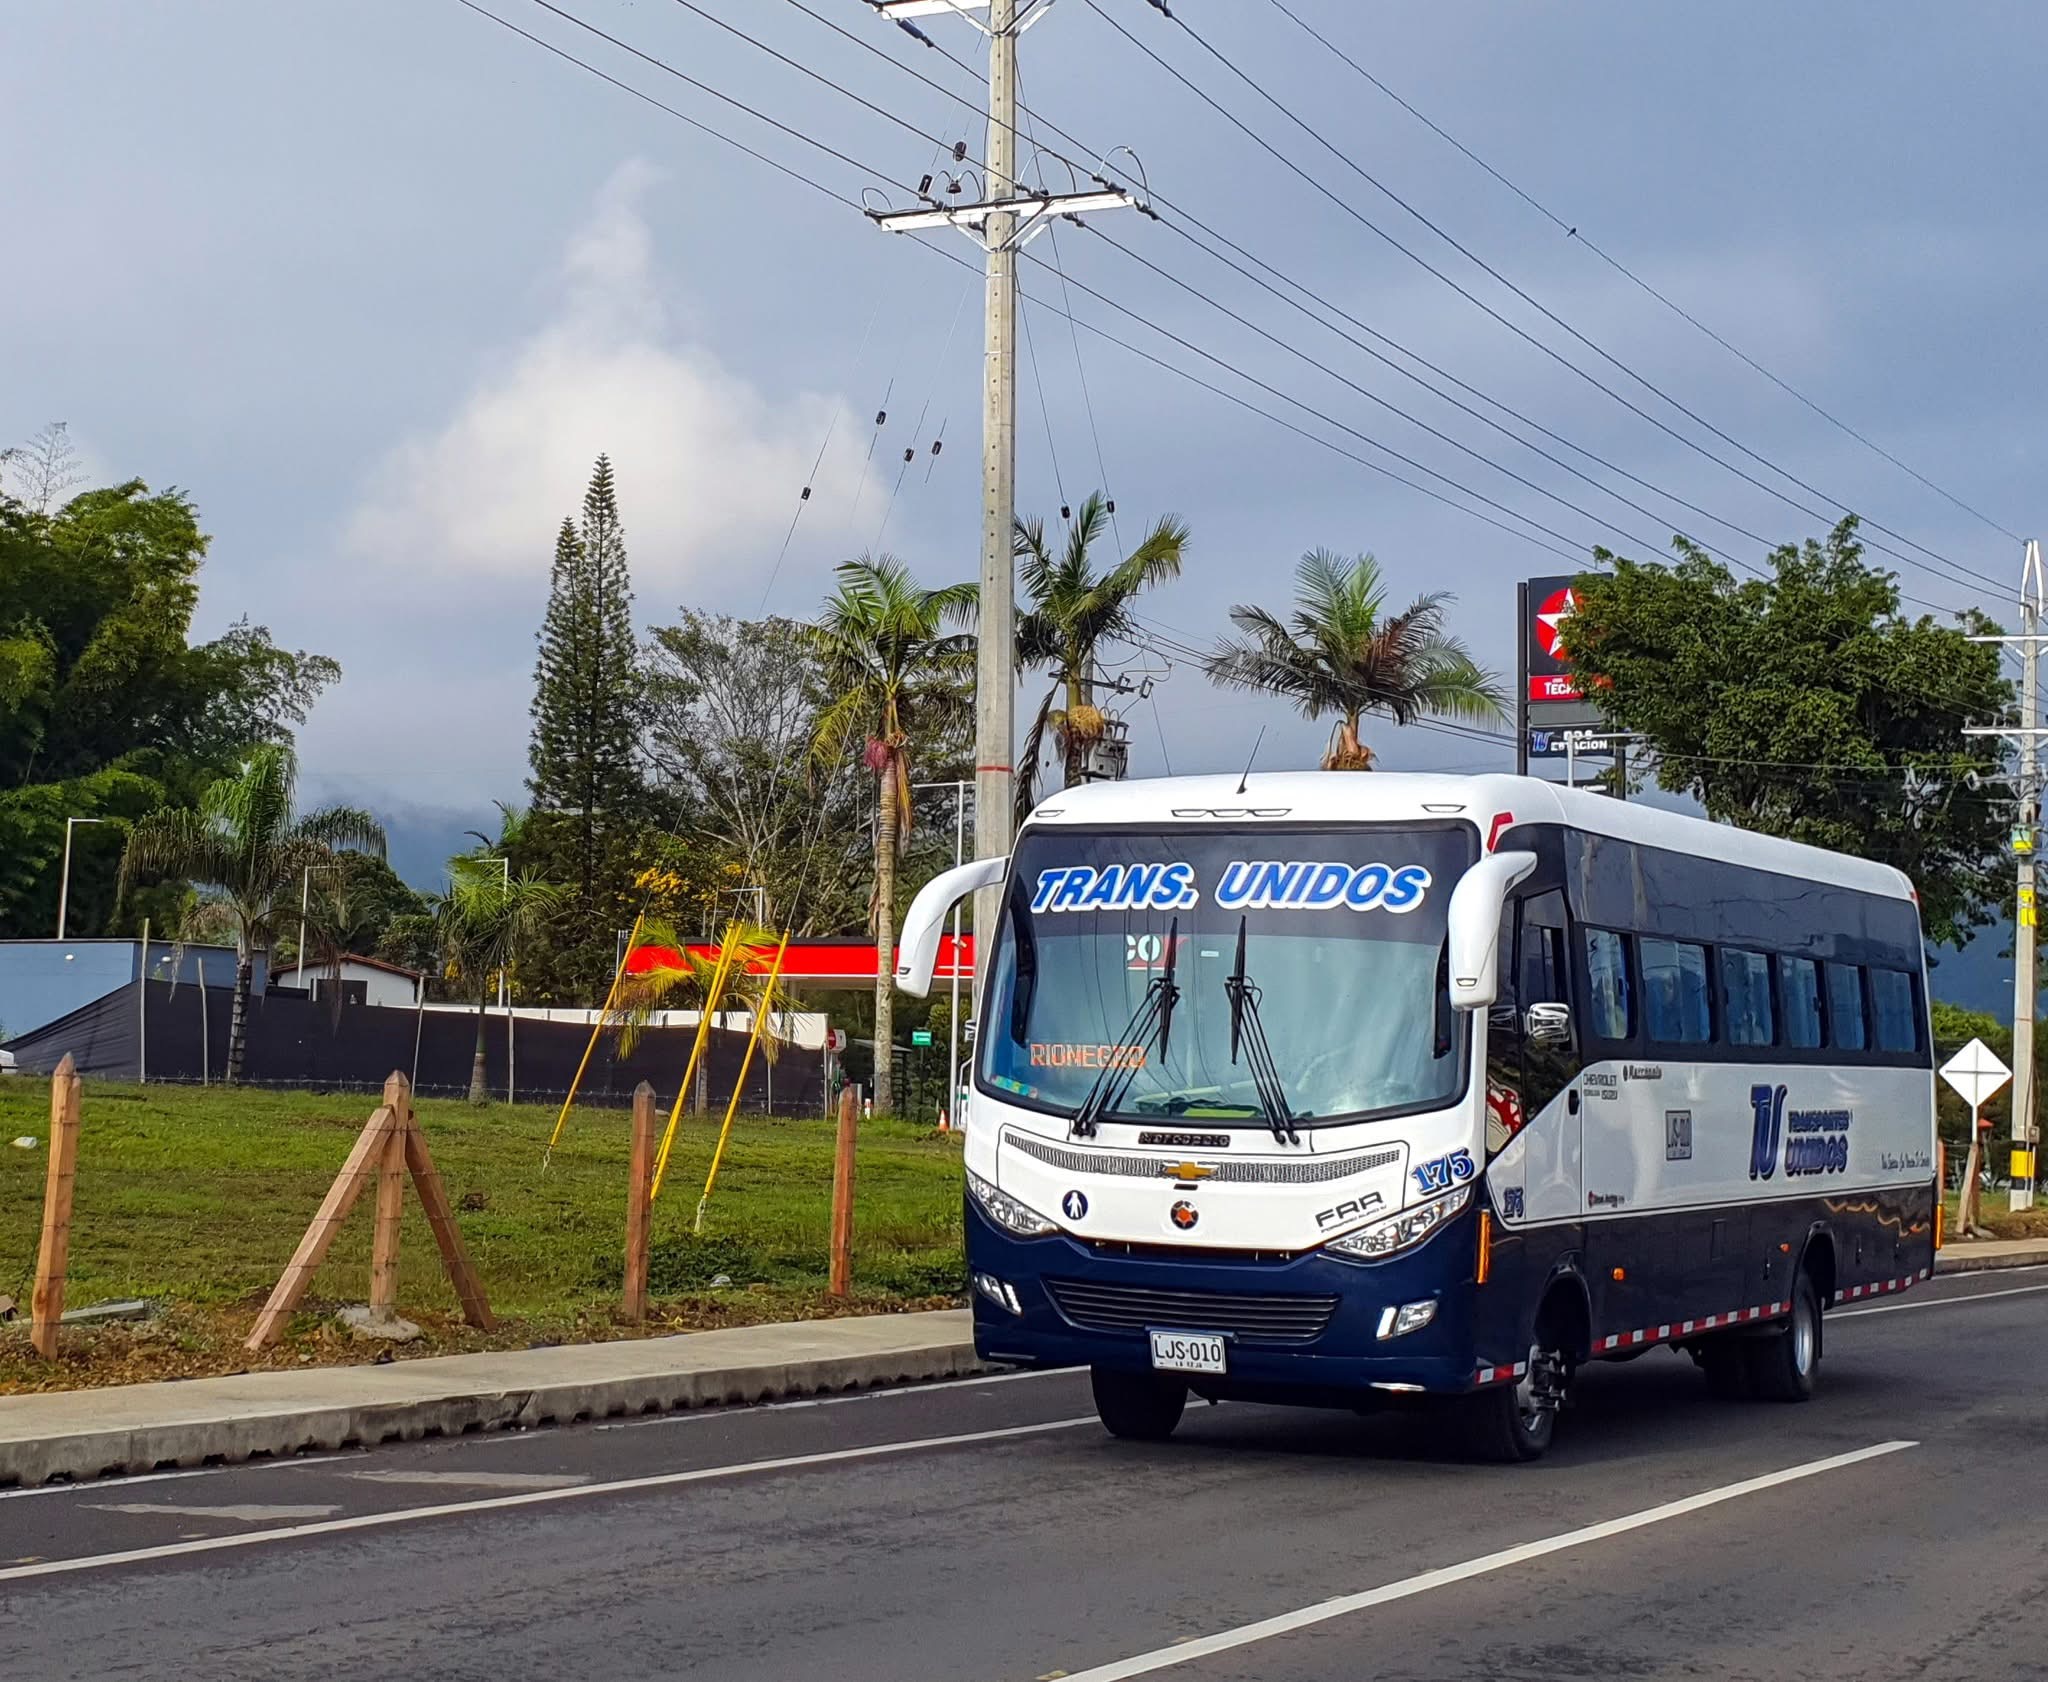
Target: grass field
[196,1198]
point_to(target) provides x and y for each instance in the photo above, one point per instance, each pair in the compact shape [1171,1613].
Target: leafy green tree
[1074,613]
[1805,704]
[487,917]
[1342,655]
[349,906]
[732,707]
[107,710]
[247,848]
[893,674]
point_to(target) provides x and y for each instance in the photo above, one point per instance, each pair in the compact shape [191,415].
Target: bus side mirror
[1475,927]
[1548,1024]
[917,951]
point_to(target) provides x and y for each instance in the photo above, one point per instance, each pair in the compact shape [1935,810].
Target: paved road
[987,1531]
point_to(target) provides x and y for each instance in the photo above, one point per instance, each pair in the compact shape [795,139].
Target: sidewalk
[141,1427]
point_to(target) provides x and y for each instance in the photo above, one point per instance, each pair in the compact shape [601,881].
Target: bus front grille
[1257,1318]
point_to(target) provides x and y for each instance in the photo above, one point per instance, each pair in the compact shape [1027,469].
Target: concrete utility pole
[2025,838]
[995,667]
[2023,982]
[1005,221]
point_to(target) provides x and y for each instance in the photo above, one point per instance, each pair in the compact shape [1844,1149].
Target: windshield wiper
[1154,1015]
[1248,1030]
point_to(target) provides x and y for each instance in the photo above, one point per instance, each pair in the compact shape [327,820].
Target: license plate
[1188,1352]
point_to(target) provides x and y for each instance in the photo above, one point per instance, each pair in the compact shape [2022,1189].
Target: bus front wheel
[1510,1423]
[1141,1406]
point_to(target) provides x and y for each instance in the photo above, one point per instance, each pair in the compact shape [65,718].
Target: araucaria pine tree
[585,777]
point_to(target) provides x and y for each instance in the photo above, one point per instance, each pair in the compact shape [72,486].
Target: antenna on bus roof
[1241,781]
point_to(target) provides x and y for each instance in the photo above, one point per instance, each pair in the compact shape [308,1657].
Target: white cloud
[707,464]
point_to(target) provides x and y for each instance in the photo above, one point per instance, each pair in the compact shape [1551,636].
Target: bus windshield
[1342,934]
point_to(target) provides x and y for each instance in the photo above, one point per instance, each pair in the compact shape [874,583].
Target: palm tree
[686,984]
[891,673]
[486,915]
[244,845]
[1073,613]
[1342,654]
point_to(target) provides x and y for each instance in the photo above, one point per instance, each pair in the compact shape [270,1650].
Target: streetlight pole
[959,789]
[64,880]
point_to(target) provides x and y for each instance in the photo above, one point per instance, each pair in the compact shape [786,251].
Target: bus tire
[1782,1367]
[1509,1424]
[1140,1406]
[1725,1361]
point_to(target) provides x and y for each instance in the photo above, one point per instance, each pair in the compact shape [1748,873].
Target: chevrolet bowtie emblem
[1186,1171]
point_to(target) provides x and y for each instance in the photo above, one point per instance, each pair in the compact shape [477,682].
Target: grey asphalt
[989,1531]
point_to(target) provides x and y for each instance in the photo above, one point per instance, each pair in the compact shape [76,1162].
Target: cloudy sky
[376,281]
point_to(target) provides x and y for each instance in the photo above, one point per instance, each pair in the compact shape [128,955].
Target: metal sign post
[1977,1074]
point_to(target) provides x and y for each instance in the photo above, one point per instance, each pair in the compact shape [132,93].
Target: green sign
[920,1036]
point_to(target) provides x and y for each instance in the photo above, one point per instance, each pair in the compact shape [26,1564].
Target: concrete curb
[250,1429]
[1987,1258]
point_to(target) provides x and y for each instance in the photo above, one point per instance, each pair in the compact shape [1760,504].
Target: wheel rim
[1540,1391]
[1804,1337]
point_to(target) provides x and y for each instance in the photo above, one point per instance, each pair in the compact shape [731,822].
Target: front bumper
[1347,1356]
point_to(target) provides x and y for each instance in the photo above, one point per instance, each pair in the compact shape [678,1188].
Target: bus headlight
[1006,1211]
[1403,1231]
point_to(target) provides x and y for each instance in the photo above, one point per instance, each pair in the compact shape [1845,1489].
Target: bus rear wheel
[1140,1406]
[1782,1367]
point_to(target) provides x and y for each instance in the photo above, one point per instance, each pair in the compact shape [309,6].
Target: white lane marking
[1939,1302]
[476,1480]
[248,1513]
[102,1486]
[697,1415]
[1182,1651]
[528,1498]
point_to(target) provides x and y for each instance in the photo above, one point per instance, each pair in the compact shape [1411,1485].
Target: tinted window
[1891,1000]
[1845,1008]
[1675,1003]
[1542,950]
[1607,1010]
[1799,1001]
[1746,997]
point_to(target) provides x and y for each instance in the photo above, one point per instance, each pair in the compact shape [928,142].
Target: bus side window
[1609,1012]
[1845,1008]
[1549,1063]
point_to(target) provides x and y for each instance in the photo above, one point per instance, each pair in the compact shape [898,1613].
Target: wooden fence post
[842,1192]
[53,1256]
[639,1189]
[390,1202]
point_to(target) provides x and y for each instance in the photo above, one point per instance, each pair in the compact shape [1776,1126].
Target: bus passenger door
[1533,1070]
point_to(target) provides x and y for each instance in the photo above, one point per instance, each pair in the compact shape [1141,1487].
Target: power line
[1570,554]
[1514,327]
[1156,198]
[681,117]
[1572,231]
[1567,554]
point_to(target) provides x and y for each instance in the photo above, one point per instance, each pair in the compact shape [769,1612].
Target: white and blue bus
[1336,1089]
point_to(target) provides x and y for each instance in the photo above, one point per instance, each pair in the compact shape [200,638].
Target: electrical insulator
[953,184]
[924,187]
[1110,506]
[959,151]
[1066,513]
[806,497]
[911,453]
[938,444]
[881,417]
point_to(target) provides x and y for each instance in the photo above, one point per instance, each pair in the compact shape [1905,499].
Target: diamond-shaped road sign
[1976,1073]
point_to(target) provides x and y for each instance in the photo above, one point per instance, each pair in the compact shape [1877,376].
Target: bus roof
[1489,801]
